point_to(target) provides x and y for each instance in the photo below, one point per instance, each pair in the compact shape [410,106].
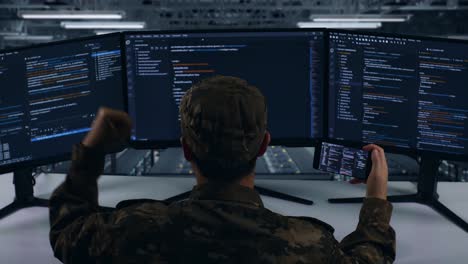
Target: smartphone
[339,159]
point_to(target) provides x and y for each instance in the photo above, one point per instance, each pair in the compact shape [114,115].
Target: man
[223,121]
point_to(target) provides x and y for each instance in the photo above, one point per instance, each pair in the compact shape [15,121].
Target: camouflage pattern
[217,224]
[223,117]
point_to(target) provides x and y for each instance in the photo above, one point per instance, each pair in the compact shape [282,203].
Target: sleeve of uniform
[374,238]
[75,219]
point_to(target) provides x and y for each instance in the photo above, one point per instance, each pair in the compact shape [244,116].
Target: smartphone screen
[342,160]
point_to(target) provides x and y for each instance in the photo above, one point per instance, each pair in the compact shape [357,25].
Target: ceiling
[428,17]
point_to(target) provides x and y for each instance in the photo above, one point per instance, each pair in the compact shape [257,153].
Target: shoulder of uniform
[136,202]
[313,221]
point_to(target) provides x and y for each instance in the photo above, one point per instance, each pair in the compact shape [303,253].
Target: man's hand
[378,177]
[110,131]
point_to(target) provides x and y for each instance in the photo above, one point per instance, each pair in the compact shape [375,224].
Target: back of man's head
[223,121]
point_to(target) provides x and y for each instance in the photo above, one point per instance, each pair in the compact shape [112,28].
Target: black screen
[49,95]
[285,66]
[343,160]
[408,93]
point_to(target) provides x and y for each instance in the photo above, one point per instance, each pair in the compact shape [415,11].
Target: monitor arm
[24,193]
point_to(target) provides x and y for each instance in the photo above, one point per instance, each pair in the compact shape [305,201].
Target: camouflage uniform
[219,223]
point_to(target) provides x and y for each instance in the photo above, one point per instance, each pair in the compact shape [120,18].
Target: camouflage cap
[223,118]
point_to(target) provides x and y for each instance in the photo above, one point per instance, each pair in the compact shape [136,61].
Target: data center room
[335,75]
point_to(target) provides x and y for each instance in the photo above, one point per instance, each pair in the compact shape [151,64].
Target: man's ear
[265,143]
[186,149]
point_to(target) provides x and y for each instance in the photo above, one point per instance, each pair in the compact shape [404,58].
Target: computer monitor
[406,93]
[286,65]
[50,94]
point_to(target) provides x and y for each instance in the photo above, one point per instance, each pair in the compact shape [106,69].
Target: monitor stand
[24,193]
[260,190]
[426,194]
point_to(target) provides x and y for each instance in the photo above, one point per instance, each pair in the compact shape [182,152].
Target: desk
[423,236]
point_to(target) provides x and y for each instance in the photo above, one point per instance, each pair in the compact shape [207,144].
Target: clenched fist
[110,131]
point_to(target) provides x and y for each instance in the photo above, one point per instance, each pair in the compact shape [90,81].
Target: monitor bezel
[161,144]
[413,152]
[63,156]
[287,142]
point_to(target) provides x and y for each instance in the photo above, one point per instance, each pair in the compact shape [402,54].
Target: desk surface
[423,236]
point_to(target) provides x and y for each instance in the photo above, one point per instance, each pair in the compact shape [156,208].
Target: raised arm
[76,222]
